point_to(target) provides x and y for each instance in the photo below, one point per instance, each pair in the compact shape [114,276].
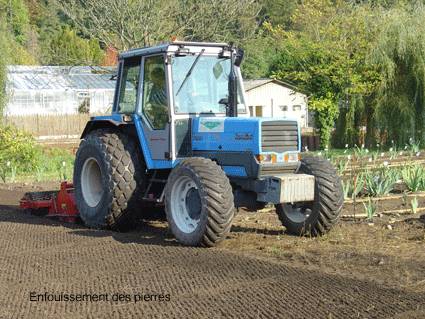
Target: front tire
[315,218]
[108,180]
[199,202]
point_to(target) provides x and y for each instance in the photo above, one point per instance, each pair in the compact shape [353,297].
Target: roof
[22,77]
[252,84]
[164,47]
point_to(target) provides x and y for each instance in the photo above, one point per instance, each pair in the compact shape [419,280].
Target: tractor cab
[161,89]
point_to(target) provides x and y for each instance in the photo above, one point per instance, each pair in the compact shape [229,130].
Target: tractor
[180,136]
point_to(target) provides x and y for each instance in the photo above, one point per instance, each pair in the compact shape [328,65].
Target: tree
[399,53]
[15,13]
[277,12]
[46,23]
[220,21]
[14,32]
[324,54]
[126,24]
[260,51]
[121,23]
[12,51]
[67,48]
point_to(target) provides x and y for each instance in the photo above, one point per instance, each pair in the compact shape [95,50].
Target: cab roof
[170,46]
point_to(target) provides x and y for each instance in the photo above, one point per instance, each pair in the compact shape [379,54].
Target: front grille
[279,136]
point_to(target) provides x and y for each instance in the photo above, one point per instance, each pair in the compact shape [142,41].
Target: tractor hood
[238,134]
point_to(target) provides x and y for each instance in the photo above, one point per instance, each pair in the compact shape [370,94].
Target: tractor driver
[156,101]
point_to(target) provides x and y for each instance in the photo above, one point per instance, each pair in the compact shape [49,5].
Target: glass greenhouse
[59,90]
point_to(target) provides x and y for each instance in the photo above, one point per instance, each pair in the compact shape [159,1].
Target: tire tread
[328,200]
[125,181]
[218,197]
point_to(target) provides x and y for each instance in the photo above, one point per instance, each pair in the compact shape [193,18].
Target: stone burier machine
[179,135]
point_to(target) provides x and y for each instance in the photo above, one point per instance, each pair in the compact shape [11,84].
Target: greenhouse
[59,90]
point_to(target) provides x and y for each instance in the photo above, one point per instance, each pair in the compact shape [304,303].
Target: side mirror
[239,57]
[224,101]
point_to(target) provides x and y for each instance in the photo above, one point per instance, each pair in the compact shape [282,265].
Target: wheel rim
[91,182]
[297,213]
[185,204]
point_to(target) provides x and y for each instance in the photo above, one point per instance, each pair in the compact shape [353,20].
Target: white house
[274,98]
[58,89]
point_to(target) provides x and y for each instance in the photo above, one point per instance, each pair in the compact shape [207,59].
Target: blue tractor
[179,136]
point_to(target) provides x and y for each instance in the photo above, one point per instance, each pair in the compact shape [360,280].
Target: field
[360,270]
[372,265]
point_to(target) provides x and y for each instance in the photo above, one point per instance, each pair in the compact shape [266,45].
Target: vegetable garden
[381,181]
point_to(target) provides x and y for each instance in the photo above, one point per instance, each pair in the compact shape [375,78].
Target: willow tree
[399,53]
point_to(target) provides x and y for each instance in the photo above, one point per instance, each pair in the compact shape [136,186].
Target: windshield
[206,85]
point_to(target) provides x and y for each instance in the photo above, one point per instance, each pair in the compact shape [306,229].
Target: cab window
[129,86]
[155,102]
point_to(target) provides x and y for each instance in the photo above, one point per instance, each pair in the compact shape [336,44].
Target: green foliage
[380,182]
[414,177]
[2,84]
[15,13]
[259,55]
[277,12]
[327,112]
[341,166]
[414,205]
[48,23]
[57,161]
[12,52]
[399,52]
[413,146]
[370,208]
[18,151]
[34,31]
[360,152]
[67,48]
[21,156]
[14,33]
[324,54]
[353,187]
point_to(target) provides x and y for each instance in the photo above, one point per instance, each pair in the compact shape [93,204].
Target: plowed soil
[258,272]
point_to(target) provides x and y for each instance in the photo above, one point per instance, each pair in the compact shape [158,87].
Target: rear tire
[318,217]
[199,202]
[108,180]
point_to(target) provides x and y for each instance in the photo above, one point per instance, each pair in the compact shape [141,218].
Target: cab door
[154,108]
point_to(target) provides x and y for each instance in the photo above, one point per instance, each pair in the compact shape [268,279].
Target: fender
[113,121]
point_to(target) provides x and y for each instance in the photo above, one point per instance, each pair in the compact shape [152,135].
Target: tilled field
[159,278]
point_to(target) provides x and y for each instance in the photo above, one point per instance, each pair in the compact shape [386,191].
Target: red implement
[53,204]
